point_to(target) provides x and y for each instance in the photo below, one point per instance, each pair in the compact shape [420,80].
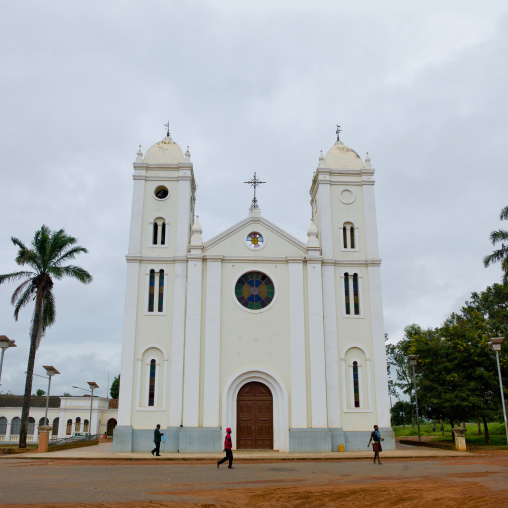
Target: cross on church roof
[255,183]
[167,128]
[338,131]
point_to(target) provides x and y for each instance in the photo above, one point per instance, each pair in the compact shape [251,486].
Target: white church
[278,338]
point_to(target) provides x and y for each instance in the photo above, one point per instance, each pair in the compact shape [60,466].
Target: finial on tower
[168,135]
[338,131]
[139,155]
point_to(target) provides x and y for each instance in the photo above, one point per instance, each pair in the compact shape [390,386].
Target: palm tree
[46,256]
[501,235]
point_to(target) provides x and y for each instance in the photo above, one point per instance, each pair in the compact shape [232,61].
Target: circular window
[161,192]
[347,196]
[254,290]
[255,241]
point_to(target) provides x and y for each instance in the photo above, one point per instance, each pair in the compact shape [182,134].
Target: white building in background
[67,415]
[278,338]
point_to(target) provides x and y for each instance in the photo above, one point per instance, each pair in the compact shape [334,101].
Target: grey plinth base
[338,437]
[122,439]
[200,439]
[309,440]
[178,439]
[358,440]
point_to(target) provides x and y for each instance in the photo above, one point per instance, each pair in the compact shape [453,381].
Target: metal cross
[338,131]
[167,127]
[255,183]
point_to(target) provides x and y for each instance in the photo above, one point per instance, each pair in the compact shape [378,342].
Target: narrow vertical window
[151,386]
[155,233]
[346,293]
[163,234]
[85,426]
[77,426]
[151,291]
[352,242]
[344,236]
[356,385]
[160,307]
[356,298]
[68,430]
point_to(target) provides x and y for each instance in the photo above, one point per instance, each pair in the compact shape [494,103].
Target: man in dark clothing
[157,434]
[228,445]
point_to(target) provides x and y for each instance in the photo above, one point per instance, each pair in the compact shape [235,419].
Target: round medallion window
[255,240]
[161,192]
[254,290]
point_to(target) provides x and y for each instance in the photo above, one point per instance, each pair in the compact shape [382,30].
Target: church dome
[164,152]
[341,156]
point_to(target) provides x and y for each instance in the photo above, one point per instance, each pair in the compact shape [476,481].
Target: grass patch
[496,431]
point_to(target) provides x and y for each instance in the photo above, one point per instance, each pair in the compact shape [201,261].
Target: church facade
[280,339]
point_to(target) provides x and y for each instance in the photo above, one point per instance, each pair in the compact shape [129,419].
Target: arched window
[3,426]
[43,421]
[348,236]
[85,426]
[77,426]
[352,294]
[151,383]
[159,232]
[346,293]
[356,385]
[56,422]
[156,296]
[68,430]
[160,307]
[15,426]
[30,429]
[151,291]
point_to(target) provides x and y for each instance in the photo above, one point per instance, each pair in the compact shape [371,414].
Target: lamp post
[5,343]
[50,371]
[93,385]
[495,344]
[412,360]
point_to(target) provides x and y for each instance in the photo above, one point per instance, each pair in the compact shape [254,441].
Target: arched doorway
[111,426]
[254,417]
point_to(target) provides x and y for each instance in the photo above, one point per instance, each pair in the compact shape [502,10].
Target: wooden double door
[254,417]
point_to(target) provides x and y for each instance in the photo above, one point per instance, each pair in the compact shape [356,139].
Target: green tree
[115,387]
[40,393]
[46,256]
[501,254]
[402,412]
[65,394]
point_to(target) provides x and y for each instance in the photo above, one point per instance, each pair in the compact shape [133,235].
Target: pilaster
[297,344]
[316,343]
[211,388]
[183,222]
[192,341]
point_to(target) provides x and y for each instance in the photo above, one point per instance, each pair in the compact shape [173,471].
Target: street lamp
[5,342]
[412,360]
[50,371]
[93,385]
[495,344]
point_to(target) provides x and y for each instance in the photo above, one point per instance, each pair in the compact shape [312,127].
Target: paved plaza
[408,477]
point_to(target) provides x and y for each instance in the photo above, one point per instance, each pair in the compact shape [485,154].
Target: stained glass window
[160,307]
[254,290]
[151,290]
[254,240]
[355,294]
[356,385]
[346,293]
[151,385]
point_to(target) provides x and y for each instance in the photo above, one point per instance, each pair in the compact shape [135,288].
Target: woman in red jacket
[228,444]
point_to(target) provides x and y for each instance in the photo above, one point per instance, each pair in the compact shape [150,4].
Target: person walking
[157,436]
[228,445]
[376,439]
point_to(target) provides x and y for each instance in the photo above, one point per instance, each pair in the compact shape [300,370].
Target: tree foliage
[46,259]
[115,387]
[500,254]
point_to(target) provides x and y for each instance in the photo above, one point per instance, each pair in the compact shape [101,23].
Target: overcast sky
[249,86]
